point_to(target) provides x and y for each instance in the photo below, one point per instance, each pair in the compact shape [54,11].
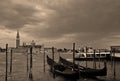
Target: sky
[60,23]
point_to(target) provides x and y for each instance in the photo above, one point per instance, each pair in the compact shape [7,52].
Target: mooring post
[53,53]
[11,53]
[6,62]
[86,55]
[53,62]
[111,54]
[27,61]
[73,55]
[94,61]
[31,64]
[114,63]
[99,57]
[44,60]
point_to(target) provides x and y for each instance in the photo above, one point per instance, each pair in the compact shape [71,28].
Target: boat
[90,56]
[82,56]
[115,53]
[115,57]
[61,70]
[84,71]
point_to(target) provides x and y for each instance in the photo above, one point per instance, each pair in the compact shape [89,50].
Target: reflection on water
[20,73]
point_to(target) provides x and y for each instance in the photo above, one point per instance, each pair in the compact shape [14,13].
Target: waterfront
[19,71]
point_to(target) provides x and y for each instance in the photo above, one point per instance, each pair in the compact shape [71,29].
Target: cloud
[63,21]
[15,16]
[80,16]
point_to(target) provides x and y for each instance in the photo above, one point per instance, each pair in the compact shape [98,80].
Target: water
[19,72]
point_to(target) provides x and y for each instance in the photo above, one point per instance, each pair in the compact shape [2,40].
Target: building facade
[25,47]
[17,40]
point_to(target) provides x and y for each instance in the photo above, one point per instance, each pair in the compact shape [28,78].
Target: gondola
[61,70]
[88,72]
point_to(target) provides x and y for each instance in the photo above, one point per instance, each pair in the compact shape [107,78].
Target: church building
[17,40]
[25,47]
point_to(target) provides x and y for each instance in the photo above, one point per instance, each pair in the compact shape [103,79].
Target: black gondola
[61,70]
[89,72]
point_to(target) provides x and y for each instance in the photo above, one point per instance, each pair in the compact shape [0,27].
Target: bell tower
[17,40]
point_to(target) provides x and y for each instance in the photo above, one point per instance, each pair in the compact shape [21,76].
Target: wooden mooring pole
[73,54]
[99,57]
[94,60]
[86,54]
[31,64]
[53,53]
[111,53]
[27,62]
[114,64]
[53,63]
[11,53]
[44,60]
[6,75]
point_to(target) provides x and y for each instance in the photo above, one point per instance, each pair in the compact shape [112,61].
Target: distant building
[25,47]
[17,40]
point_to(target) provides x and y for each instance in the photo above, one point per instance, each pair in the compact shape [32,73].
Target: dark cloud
[89,21]
[75,16]
[15,16]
